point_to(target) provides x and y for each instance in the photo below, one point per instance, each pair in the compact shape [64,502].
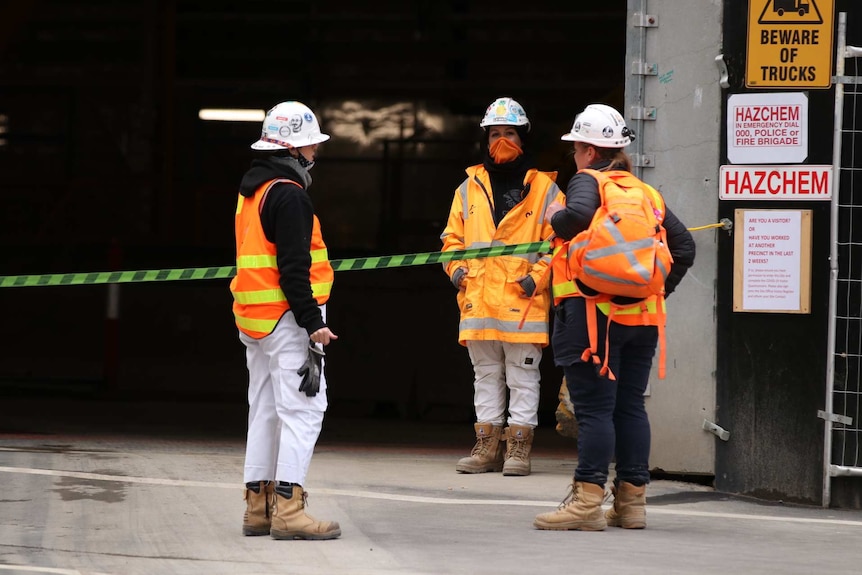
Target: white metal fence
[843,412]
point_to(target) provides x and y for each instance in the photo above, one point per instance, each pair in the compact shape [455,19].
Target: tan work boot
[289,520]
[580,510]
[487,454]
[629,510]
[257,518]
[519,442]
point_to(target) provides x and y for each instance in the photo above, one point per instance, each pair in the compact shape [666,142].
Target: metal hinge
[641,20]
[718,431]
[644,68]
[834,417]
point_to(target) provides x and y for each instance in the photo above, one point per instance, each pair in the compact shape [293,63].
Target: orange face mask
[504,150]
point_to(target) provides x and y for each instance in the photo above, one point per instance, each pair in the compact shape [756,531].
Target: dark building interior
[104,164]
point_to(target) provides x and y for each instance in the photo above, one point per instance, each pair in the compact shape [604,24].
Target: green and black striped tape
[181,274]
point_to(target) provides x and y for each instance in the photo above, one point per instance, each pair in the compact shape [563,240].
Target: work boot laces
[517,449]
[483,445]
[572,497]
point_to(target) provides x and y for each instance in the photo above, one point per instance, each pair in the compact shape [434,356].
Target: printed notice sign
[767,128]
[772,261]
[789,44]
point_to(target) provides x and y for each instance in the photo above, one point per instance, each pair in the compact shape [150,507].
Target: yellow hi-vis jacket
[493,304]
[258,300]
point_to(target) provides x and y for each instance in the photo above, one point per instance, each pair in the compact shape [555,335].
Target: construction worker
[502,202]
[280,290]
[611,415]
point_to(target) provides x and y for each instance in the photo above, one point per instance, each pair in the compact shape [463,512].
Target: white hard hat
[600,126]
[289,125]
[505,112]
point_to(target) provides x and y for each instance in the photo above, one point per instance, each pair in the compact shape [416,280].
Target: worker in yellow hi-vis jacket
[502,202]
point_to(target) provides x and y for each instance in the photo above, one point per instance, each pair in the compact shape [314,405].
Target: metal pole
[833,259]
[637,96]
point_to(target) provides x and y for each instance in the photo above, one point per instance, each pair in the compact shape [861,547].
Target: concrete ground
[155,488]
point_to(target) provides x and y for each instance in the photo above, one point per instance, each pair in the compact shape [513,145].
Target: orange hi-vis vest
[258,302]
[649,311]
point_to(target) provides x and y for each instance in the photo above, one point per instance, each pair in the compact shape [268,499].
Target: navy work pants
[612,419]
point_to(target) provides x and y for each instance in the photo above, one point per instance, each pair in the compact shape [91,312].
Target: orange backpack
[624,251]
[622,259]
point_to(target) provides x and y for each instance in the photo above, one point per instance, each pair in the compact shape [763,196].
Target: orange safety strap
[592,352]
[592,331]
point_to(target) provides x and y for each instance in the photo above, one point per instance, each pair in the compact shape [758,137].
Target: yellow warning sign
[789,44]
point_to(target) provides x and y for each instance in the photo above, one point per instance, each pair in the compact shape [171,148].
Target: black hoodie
[287,218]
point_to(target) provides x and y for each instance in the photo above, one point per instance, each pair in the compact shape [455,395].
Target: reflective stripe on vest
[633,310]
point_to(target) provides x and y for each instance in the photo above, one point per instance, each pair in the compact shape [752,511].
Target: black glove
[310,371]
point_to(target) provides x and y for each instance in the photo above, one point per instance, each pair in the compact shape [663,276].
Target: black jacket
[287,219]
[582,201]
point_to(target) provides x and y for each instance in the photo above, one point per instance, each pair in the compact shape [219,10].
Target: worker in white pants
[499,365]
[503,300]
[282,283]
[283,422]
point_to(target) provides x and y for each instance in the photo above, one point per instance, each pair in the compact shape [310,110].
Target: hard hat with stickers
[289,125]
[505,112]
[601,126]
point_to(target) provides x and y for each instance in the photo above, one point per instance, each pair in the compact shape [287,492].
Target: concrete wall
[684,142]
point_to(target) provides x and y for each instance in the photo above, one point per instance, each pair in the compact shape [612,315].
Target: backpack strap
[592,352]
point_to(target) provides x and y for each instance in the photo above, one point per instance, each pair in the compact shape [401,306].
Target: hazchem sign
[803,182]
[767,128]
[789,44]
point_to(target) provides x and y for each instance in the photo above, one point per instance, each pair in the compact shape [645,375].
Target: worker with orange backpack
[605,343]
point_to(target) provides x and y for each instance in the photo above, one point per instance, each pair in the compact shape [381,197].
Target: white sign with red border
[801,182]
[767,128]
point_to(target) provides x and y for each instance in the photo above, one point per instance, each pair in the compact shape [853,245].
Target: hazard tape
[376,262]
[181,274]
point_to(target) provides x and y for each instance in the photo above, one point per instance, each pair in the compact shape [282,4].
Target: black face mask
[304,162]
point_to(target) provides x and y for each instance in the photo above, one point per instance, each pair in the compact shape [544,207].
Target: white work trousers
[497,365]
[283,422]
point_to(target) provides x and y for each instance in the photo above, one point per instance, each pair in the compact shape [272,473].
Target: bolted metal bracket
[642,113]
[716,430]
[834,417]
[641,20]
[644,68]
[643,160]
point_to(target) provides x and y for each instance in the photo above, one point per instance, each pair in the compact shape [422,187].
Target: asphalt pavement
[100,488]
